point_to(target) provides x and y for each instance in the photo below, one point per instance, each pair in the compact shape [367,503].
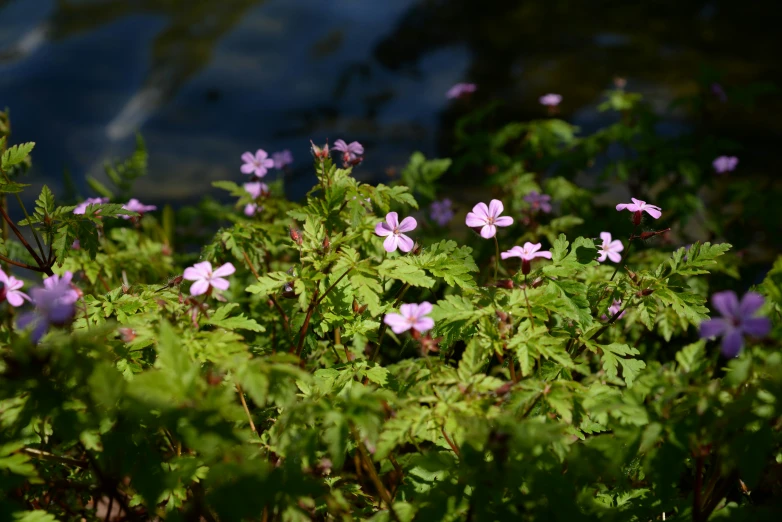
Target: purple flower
[550,100]
[258,164]
[725,164]
[538,201]
[637,207]
[256,189]
[488,218]
[81,208]
[460,89]
[250,209]
[614,308]
[441,212]
[527,254]
[609,249]
[55,281]
[719,92]
[412,316]
[135,205]
[11,286]
[392,230]
[55,305]
[351,153]
[282,159]
[737,320]
[206,279]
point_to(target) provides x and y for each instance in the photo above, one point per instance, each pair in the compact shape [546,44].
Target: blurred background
[206,80]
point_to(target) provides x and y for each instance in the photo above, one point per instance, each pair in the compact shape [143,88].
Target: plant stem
[496,257]
[306,325]
[246,409]
[529,308]
[44,267]
[370,467]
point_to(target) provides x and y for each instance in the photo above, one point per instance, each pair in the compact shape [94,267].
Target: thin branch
[246,409]
[45,268]
[333,285]
[45,455]
[21,265]
[451,443]
[306,325]
[370,467]
[271,297]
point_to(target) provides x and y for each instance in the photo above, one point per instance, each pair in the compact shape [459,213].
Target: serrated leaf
[16,154]
[239,322]
[270,283]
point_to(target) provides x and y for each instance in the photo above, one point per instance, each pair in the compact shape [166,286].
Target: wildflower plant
[290,366]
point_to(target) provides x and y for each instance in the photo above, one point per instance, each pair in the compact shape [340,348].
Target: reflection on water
[205,80]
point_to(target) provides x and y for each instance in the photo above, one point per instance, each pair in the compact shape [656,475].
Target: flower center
[489,220]
[396,231]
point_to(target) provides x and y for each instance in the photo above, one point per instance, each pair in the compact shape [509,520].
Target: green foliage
[286,396]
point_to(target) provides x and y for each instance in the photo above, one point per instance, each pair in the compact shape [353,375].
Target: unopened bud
[502,315]
[504,283]
[296,235]
[326,244]
[416,249]
[320,153]
[645,292]
[537,282]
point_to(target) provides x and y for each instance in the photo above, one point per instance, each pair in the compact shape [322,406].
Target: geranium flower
[738,320]
[256,189]
[81,208]
[441,212]
[614,308]
[638,207]
[461,89]
[258,164]
[11,286]
[392,230]
[135,205]
[55,305]
[412,316]
[609,249]
[66,278]
[527,254]
[250,209]
[282,159]
[351,153]
[725,164]
[488,218]
[206,279]
[538,201]
[550,100]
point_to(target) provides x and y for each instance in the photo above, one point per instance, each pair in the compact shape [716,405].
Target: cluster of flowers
[258,166]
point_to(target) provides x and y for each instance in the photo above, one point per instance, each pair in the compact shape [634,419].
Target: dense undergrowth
[372,353]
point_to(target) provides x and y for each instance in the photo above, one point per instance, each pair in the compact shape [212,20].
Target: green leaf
[16,154]
[37,515]
[612,356]
[404,269]
[270,283]
[239,322]
[473,359]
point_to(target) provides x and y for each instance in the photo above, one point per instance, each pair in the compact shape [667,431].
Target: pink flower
[461,89]
[488,218]
[282,159]
[11,286]
[205,278]
[135,205]
[250,209]
[412,316]
[256,189]
[725,164]
[550,100]
[351,153]
[614,308]
[527,254]
[258,164]
[392,230]
[81,208]
[637,207]
[610,249]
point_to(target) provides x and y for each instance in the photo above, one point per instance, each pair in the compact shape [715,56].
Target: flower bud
[504,283]
[295,235]
[320,153]
[326,244]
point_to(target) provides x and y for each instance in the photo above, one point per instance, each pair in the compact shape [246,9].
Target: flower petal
[424,324]
[407,224]
[481,210]
[398,323]
[503,221]
[712,328]
[199,287]
[614,257]
[616,246]
[382,229]
[605,237]
[261,155]
[424,308]
[474,220]
[622,206]
[192,274]
[391,243]
[340,145]
[513,252]
[756,326]
[392,218]
[655,213]
[16,298]
[603,255]
[356,148]
[726,303]
[247,168]
[225,270]
[248,157]
[545,254]
[405,243]
[495,208]
[732,343]
[220,283]
[488,231]
[750,303]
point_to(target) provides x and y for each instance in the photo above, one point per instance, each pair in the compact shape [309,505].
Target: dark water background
[205,80]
